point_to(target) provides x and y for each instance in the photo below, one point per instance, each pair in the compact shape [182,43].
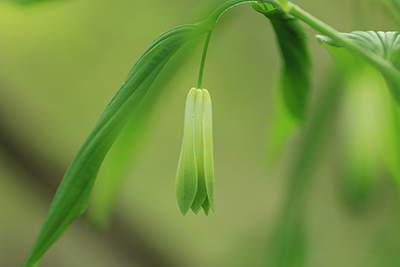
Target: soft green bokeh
[60,64]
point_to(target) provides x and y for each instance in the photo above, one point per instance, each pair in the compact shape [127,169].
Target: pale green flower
[195,177]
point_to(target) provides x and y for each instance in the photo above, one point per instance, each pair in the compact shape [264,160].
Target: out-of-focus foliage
[295,80]
[62,61]
[376,127]
[380,45]
[292,96]
[359,136]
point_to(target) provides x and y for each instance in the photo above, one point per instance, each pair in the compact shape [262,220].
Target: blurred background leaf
[292,95]
[49,55]
[296,70]
[383,46]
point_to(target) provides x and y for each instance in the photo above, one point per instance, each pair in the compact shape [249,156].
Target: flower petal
[208,148]
[199,150]
[186,179]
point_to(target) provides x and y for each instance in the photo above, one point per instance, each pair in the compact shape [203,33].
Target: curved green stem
[203,60]
[285,4]
[210,22]
[214,17]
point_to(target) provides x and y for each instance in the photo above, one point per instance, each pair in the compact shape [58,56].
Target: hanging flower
[195,177]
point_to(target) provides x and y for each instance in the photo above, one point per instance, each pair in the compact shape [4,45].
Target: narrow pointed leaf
[296,74]
[127,149]
[72,196]
[283,127]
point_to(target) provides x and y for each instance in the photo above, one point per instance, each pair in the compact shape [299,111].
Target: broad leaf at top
[385,45]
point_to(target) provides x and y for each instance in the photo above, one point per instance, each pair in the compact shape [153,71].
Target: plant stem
[203,60]
[325,29]
[209,23]
[214,17]
[284,4]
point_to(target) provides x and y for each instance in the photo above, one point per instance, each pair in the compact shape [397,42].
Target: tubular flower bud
[195,177]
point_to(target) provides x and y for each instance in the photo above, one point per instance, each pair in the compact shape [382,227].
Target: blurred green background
[62,61]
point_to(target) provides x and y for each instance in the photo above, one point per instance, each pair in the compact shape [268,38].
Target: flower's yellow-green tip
[195,177]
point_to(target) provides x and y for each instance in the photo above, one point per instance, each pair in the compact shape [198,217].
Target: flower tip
[196,211]
[184,212]
[183,207]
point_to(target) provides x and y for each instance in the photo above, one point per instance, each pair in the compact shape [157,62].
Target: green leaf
[296,74]
[361,131]
[390,142]
[289,241]
[73,193]
[291,99]
[393,6]
[123,154]
[385,46]
[127,149]
[365,116]
[284,126]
